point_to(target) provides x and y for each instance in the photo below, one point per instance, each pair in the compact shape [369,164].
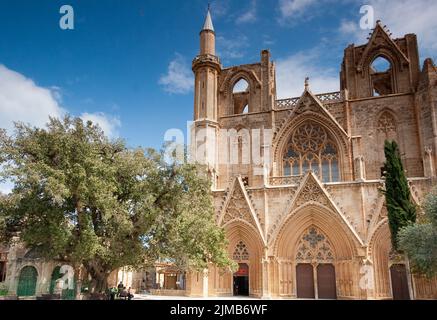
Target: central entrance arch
[316,236]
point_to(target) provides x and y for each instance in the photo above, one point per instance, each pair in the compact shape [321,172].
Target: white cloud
[220,8]
[179,78]
[109,124]
[294,8]
[22,100]
[249,15]
[403,17]
[292,71]
[232,48]
[348,27]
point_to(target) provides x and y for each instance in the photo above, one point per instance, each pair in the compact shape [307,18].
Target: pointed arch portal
[315,272]
[316,250]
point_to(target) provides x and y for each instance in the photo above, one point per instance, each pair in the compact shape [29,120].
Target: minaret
[206,68]
[207,37]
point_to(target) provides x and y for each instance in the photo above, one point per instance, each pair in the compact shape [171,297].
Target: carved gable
[378,41]
[311,191]
[238,207]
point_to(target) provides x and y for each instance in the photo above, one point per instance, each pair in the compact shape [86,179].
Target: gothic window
[314,246]
[240,97]
[241,253]
[311,148]
[381,76]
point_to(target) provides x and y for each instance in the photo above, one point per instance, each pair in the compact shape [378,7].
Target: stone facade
[295,181]
[309,217]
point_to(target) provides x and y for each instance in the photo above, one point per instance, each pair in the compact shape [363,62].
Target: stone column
[265,292]
[316,288]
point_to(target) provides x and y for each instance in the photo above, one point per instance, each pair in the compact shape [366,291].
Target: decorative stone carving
[311,192]
[314,246]
[241,253]
[238,208]
[306,104]
[386,123]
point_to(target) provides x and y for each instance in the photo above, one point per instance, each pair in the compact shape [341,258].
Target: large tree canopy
[88,201]
[419,241]
[401,210]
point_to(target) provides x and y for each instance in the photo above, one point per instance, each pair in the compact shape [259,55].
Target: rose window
[311,148]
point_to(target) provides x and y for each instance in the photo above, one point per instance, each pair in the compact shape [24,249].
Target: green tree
[401,210]
[92,202]
[419,241]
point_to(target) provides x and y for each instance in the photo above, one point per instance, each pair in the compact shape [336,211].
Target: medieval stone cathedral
[310,221]
[296,181]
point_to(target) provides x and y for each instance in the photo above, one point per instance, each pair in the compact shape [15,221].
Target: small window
[381,74]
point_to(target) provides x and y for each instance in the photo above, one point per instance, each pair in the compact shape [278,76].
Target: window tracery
[310,148]
[241,253]
[314,247]
[386,123]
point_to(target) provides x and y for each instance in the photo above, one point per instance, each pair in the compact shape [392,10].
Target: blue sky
[127,64]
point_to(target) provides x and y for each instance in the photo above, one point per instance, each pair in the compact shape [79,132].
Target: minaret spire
[207,36]
[208,26]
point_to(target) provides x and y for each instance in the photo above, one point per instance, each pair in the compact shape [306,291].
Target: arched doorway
[245,248]
[27,282]
[313,235]
[399,282]
[241,280]
[315,268]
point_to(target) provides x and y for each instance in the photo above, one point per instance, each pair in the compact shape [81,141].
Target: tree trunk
[99,278]
[99,284]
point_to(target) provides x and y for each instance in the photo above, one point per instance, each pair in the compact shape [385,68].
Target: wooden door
[27,282]
[399,282]
[305,281]
[326,282]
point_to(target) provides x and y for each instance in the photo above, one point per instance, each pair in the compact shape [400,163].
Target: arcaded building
[308,220]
